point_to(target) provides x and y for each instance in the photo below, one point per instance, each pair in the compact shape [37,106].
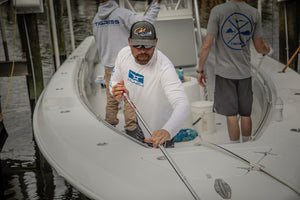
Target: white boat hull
[103,163]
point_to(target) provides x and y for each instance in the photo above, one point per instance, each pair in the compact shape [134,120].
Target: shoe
[139,135]
[131,133]
[136,133]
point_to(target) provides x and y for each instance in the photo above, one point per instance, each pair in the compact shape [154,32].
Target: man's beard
[143,58]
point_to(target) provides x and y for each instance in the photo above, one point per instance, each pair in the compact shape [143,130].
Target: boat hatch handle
[222,188]
[161,158]
[102,144]
[253,165]
[163,150]
[296,130]
[65,111]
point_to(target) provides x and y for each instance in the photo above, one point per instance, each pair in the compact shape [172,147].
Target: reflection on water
[25,174]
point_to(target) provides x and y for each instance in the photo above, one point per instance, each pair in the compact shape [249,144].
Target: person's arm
[260,46]
[174,91]
[130,17]
[116,83]
[117,90]
[178,100]
[205,49]
[152,14]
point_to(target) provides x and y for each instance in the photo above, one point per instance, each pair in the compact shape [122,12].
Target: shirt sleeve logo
[236,31]
[136,78]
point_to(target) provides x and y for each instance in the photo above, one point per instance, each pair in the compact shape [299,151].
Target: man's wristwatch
[200,72]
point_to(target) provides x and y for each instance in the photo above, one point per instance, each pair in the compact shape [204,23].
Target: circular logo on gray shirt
[236,31]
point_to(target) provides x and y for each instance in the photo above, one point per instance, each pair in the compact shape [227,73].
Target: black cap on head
[142,33]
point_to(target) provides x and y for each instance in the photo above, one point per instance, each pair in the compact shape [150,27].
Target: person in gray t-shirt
[233,24]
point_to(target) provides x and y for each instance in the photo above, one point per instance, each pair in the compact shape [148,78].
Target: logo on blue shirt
[236,31]
[136,78]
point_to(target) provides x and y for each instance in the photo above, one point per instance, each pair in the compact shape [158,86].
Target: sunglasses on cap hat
[140,46]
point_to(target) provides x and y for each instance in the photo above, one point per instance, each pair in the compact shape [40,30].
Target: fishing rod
[253,165]
[163,150]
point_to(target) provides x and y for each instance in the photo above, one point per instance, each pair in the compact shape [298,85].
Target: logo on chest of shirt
[236,31]
[136,78]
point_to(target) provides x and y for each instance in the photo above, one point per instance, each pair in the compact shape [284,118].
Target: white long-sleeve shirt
[155,90]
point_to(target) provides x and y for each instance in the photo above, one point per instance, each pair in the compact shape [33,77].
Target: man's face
[142,54]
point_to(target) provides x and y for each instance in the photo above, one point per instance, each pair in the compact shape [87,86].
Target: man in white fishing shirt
[111,27]
[153,85]
[233,24]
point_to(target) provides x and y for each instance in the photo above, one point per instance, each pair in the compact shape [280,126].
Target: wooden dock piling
[30,42]
[293,30]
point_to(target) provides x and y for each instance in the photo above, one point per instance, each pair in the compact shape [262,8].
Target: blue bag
[185,135]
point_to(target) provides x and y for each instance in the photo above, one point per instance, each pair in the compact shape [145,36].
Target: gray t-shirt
[234,24]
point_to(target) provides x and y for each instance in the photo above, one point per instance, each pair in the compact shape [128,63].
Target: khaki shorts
[233,96]
[112,107]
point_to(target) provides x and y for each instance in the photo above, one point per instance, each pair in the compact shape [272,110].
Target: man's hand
[260,46]
[158,137]
[201,79]
[205,49]
[117,90]
[267,49]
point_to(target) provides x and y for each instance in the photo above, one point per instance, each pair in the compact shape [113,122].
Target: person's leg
[226,103]
[245,107]
[246,127]
[130,117]
[233,128]
[111,104]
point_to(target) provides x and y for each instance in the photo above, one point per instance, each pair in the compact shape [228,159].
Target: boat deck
[93,156]
[220,136]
